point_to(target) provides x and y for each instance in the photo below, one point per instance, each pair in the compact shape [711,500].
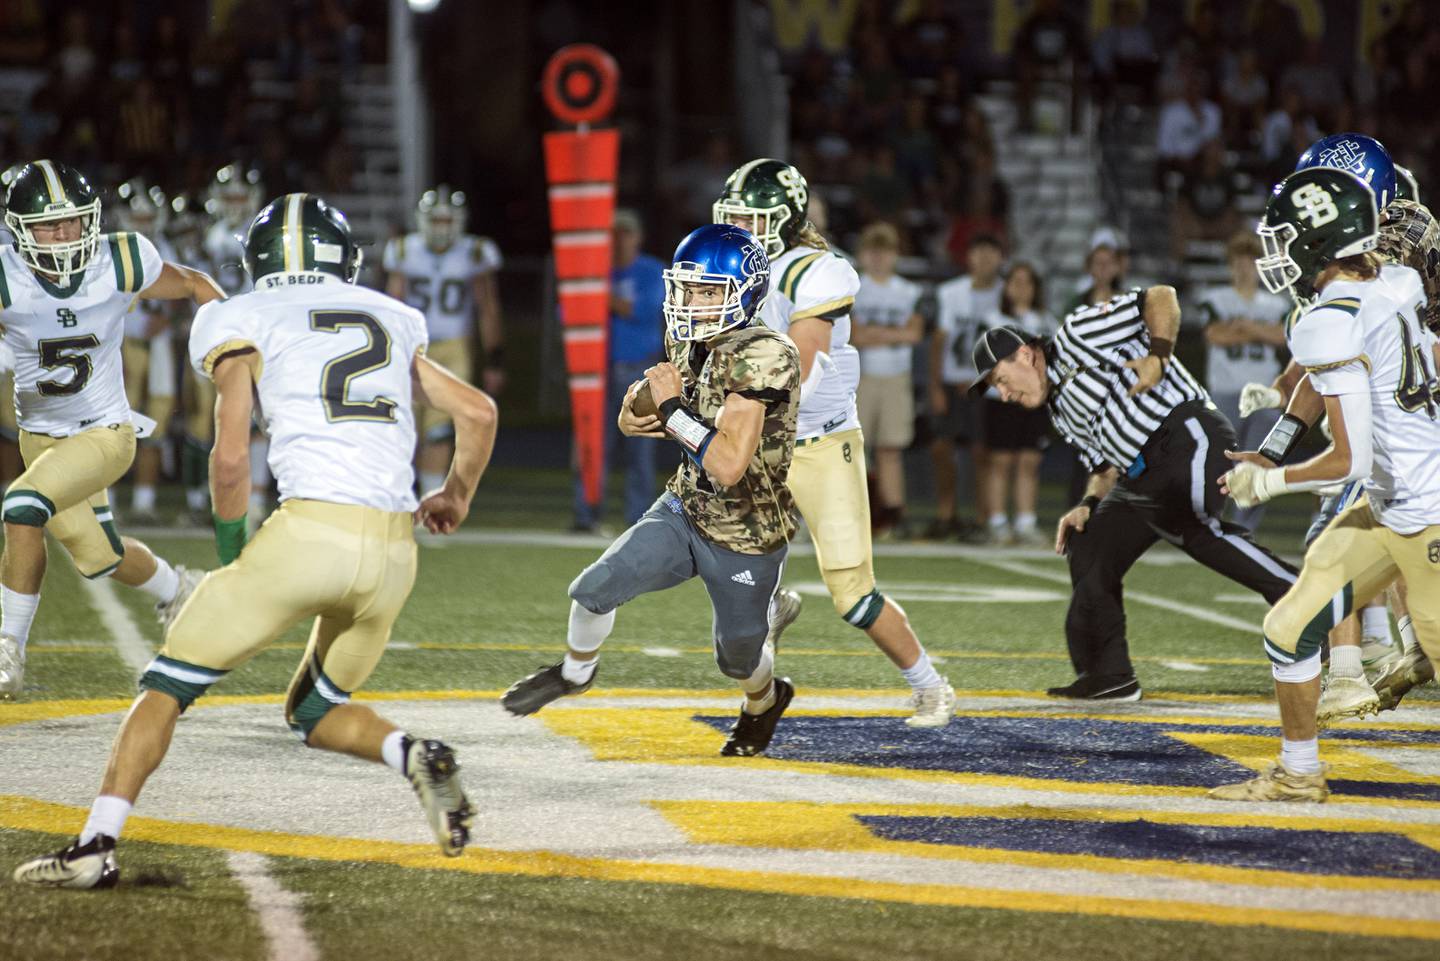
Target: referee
[1154,445]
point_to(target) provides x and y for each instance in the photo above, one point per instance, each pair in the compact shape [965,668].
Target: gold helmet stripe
[744,171]
[52,181]
[293,233]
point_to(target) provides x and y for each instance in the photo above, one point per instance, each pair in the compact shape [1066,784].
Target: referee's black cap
[995,345]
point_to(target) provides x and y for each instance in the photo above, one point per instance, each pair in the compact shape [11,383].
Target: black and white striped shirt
[1090,402]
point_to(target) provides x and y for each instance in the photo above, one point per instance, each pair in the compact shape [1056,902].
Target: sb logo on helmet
[1432,550]
[1314,203]
[794,185]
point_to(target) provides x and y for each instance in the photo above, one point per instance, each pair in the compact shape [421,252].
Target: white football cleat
[435,775]
[934,706]
[1410,671]
[783,612]
[82,866]
[167,611]
[12,668]
[1277,783]
[1377,654]
[1345,697]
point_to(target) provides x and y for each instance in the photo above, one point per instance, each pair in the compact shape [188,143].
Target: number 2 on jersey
[336,377]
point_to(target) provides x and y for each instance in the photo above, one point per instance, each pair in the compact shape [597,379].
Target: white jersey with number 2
[1365,337]
[334,383]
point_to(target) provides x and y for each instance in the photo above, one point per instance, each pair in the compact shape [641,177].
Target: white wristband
[1270,483]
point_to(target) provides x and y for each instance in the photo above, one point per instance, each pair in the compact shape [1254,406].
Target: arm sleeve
[767,370]
[217,331]
[1351,378]
[1329,337]
[390,260]
[484,255]
[826,287]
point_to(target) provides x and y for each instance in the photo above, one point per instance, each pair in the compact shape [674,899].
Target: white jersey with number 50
[1365,337]
[334,383]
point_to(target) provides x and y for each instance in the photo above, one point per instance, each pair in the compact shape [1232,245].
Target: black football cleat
[548,684]
[83,866]
[1099,687]
[752,733]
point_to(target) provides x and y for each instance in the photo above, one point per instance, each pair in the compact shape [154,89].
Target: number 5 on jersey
[336,377]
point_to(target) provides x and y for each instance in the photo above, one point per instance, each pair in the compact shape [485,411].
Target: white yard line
[1200,613]
[278,909]
[130,644]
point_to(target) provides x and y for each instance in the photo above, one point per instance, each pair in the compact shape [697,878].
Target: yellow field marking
[1347,760]
[29,815]
[814,826]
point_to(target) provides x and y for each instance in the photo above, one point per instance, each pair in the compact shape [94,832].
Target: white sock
[998,521]
[1375,623]
[588,630]
[197,498]
[761,682]
[392,750]
[107,816]
[164,583]
[430,481]
[17,611]
[577,671]
[1024,522]
[1345,661]
[922,673]
[143,497]
[1301,757]
[1406,627]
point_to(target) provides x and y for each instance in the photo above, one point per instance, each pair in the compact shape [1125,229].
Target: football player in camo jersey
[812,289]
[449,276]
[729,395]
[65,289]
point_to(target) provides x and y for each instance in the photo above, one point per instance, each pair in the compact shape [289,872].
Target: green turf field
[610,828]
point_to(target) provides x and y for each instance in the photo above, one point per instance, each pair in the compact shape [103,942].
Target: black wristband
[494,358]
[1090,501]
[687,428]
[1283,438]
[1162,348]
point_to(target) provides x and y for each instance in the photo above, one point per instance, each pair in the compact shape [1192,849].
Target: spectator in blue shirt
[636,341]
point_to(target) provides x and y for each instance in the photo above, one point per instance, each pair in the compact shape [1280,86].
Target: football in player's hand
[642,405]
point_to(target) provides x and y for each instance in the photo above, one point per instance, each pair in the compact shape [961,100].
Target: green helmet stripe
[52,181]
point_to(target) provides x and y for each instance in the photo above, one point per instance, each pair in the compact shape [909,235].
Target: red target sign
[580,84]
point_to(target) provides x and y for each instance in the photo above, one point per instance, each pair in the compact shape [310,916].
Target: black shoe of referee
[1100,687]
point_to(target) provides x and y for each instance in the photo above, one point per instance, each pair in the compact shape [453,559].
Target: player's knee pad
[310,698]
[28,508]
[848,586]
[1305,669]
[183,681]
[865,611]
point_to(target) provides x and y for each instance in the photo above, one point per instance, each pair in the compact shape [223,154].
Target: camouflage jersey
[1410,237]
[757,514]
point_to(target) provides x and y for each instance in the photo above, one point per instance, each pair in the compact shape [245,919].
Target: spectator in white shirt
[885,327]
[1187,124]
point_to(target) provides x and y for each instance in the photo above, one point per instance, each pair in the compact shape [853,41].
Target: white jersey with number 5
[1365,337]
[334,383]
[69,376]
[441,284]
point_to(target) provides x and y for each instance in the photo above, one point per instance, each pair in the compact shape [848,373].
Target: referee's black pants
[1175,498]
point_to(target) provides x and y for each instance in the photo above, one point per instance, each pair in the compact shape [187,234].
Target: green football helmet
[1314,216]
[769,198]
[297,233]
[1406,186]
[43,192]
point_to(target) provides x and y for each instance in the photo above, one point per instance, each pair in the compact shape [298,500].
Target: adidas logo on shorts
[743,578]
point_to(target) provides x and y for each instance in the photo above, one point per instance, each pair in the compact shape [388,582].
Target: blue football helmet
[1363,156]
[715,256]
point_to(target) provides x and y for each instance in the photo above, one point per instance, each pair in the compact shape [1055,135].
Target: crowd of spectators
[169,94]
